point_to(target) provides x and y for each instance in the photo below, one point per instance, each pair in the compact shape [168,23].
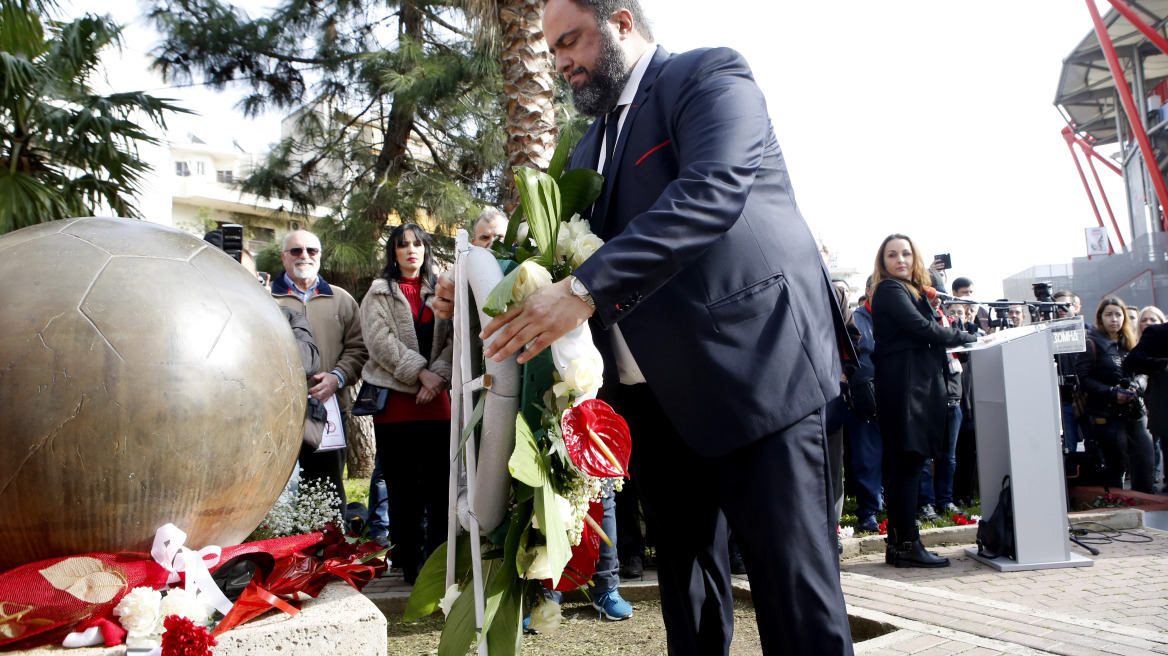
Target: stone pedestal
[339,621]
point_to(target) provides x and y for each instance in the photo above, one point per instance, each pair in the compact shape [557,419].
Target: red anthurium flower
[597,439]
[582,565]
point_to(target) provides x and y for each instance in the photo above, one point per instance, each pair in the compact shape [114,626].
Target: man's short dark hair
[1065,293]
[603,9]
[962,283]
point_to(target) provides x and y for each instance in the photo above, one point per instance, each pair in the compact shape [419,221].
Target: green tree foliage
[65,150]
[397,110]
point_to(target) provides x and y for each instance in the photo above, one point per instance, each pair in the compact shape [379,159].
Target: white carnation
[185,603]
[138,612]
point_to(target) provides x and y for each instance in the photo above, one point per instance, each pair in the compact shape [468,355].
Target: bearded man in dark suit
[721,337]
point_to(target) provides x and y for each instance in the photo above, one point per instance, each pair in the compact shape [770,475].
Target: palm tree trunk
[529,84]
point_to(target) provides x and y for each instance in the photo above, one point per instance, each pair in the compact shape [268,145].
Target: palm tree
[513,27]
[65,150]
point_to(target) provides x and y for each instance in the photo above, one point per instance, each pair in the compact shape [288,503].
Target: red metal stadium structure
[1113,91]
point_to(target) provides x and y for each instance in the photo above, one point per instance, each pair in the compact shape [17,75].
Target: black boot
[910,553]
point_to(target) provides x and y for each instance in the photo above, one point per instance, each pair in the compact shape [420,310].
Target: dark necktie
[611,123]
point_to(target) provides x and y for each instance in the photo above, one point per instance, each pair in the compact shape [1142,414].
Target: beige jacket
[394,360]
[336,327]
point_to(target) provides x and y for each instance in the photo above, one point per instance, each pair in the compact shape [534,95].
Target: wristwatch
[578,290]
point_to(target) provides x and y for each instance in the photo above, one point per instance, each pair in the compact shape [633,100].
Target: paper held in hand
[334,427]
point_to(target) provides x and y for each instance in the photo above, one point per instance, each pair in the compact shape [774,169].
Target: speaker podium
[1018,419]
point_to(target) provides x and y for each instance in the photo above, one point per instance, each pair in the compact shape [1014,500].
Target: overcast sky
[930,118]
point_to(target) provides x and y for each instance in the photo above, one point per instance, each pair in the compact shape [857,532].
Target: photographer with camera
[1068,382]
[1114,416]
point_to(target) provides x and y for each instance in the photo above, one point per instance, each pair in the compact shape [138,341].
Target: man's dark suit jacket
[708,267]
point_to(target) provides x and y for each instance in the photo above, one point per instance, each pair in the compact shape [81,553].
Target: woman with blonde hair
[1115,417]
[1147,316]
[911,394]
[1156,396]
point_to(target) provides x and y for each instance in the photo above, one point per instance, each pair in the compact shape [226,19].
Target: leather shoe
[633,569]
[913,554]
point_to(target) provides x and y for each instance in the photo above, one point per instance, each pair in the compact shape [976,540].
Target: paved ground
[1117,606]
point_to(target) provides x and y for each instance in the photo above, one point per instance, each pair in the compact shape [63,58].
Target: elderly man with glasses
[336,325]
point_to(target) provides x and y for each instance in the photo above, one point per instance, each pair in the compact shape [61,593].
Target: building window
[182,169]
[224,177]
[200,168]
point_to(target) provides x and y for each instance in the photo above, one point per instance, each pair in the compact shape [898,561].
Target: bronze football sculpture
[145,378]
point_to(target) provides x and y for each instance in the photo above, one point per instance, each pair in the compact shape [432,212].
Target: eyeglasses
[297,251]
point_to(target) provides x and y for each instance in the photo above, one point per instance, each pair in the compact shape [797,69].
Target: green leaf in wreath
[560,156]
[539,195]
[500,296]
[505,634]
[526,463]
[579,188]
[431,584]
[513,227]
[552,525]
[459,630]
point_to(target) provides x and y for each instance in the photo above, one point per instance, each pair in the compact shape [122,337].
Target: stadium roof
[1086,91]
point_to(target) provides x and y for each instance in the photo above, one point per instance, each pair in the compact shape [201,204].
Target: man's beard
[306,270]
[605,82]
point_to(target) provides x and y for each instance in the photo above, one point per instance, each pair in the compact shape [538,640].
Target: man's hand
[540,319]
[443,302]
[432,386]
[326,385]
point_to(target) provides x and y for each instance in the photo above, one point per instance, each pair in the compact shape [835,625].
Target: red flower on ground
[884,527]
[597,439]
[183,638]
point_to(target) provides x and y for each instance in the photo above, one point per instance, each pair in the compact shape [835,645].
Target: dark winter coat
[1101,374]
[911,394]
[1150,357]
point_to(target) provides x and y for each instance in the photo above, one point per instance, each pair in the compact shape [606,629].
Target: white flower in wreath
[138,612]
[531,276]
[448,599]
[583,376]
[185,603]
[546,617]
[582,247]
[578,226]
[567,514]
[540,567]
[563,239]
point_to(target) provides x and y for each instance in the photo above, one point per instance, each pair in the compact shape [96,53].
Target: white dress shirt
[626,365]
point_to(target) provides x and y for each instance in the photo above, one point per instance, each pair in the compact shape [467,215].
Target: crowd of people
[725,350]
[909,426]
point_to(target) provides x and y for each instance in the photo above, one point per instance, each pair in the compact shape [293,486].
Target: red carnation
[183,637]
